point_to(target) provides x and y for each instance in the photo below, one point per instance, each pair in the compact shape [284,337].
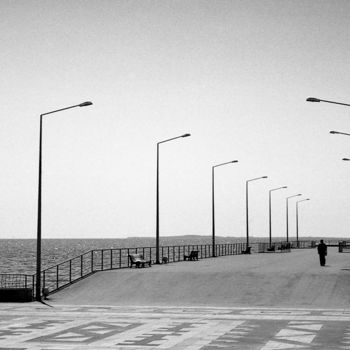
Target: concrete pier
[293,279]
[248,302]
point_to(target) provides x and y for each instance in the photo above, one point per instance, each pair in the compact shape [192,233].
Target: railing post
[44,278]
[25,281]
[102,259]
[111,259]
[70,271]
[81,265]
[57,276]
[92,261]
[128,256]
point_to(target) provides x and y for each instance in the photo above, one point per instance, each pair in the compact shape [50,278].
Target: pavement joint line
[144,307]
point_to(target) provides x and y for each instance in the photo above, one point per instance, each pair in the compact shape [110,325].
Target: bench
[343,246]
[271,249]
[193,256]
[138,260]
[247,251]
[284,247]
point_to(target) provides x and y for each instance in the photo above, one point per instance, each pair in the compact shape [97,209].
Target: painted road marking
[37,327]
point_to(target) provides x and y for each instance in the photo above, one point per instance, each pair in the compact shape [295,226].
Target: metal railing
[343,245]
[16,281]
[59,276]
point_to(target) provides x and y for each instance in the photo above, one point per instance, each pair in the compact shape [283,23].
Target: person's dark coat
[322,249]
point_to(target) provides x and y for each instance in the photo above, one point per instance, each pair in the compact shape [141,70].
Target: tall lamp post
[270,221]
[339,133]
[213,202]
[247,208]
[157,197]
[314,99]
[287,222]
[38,240]
[297,217]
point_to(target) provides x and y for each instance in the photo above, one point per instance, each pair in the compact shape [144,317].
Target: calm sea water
[19,255]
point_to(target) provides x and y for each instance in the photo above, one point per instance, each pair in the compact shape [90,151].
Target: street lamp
[38,242]
[314,99]
[247,209]
[287,224]
[339,133]
[157,199]
[297,218]
[213,202]
[270,225]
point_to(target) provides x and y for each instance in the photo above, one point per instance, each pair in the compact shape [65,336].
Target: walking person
[322,252]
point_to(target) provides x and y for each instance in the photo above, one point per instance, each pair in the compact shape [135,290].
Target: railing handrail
[104,249]
[16,274]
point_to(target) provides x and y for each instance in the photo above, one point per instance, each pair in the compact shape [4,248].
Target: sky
[234,74]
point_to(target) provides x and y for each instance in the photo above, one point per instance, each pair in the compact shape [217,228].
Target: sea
[18,256]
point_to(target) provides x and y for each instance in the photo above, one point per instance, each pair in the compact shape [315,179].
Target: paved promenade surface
[293,279]
[258,302]
[37,327]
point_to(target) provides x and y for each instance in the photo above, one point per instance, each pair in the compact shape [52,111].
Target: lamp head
[234,161]
[264,177]
[87,103]
[313,99]
[333,132]
[186,135]
[285,187]
[347,159]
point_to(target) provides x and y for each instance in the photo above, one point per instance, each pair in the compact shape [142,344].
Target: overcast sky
[234,74]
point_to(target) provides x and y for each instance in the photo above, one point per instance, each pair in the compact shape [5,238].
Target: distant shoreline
[188,237]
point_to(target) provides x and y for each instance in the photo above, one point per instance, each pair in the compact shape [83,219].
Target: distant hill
[201,239]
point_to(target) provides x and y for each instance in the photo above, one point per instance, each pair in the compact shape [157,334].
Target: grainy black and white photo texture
[174,174]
